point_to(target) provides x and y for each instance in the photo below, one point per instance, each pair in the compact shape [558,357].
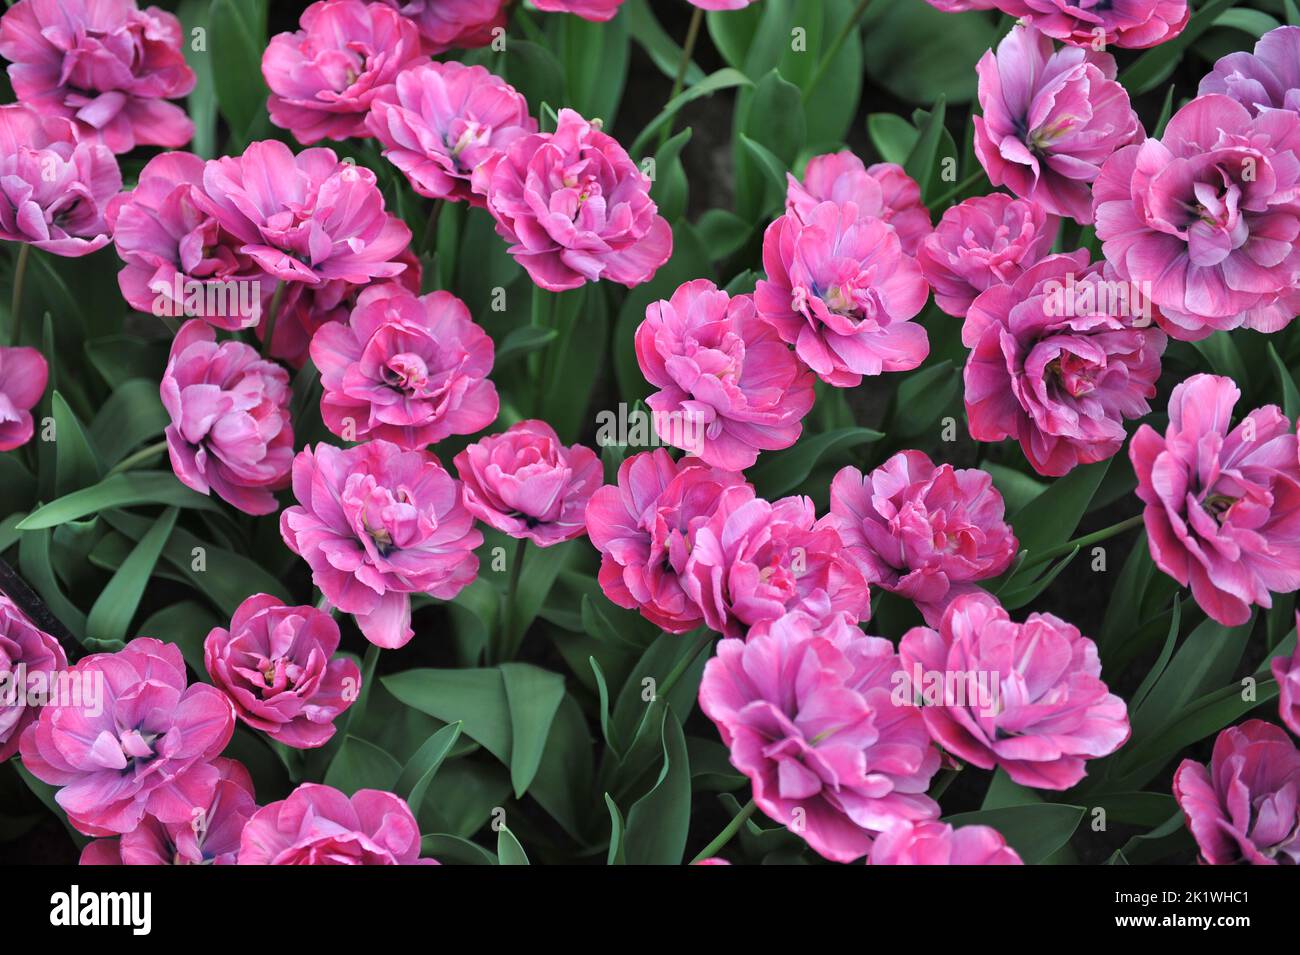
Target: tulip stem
[675,674]
[144,454]
[726,834]
[839,41]
[271,314]
[507,641]
[431,227]
[15,307]
[1095,537]
[684,64]
[702,642]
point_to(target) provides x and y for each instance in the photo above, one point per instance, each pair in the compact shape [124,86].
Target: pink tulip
[324,77]
[729,387]
[230,432]
[526,483]
[209,837]
[1027,697]
[882,191]
[305,218]
[1242,808]
[756,561]
[318,825]
[134,740]
[444,24]
[1269,78]
[1222,504]
[840,290]
[29,660]
[962,6]
[596,10]
[24,374]
[1286,670]
[982,242]
[574,207]
[408,370]
[178,259]
[923,532]
[720,4]
[104,64]
[1134,24]
[1050,120]
[440,120]
[54,188]
[1059,360]
[807,713]
[937,843]
[644,528]
[377,524]
[277,666]
[1208,216]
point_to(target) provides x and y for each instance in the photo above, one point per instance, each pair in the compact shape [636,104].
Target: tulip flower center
[136,746]
[1044,136]
[1073,374]
[468,133]
[1218,505]
[406,372]
[586,186]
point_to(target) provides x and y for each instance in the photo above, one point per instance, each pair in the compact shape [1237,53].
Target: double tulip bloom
[24,649]
[304,218]
[526,483]
[1268,78]
[925,532]
[1058,361]
[1242,807]
[230,432]
[757,560]
[1207,216]
[807,712]
[881,191]
[408,370]
[729,387]
[324,77]
[209,837]
[277,666]
[982,242]
[377,524]
[645,526]
[318,825]
[147,749]
[106,65]
[1222,503]
[1135,24]
[840,289]
[56,187]
[439,121]
[574,207]
[937,843]
[1044,710]
[1050,119]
